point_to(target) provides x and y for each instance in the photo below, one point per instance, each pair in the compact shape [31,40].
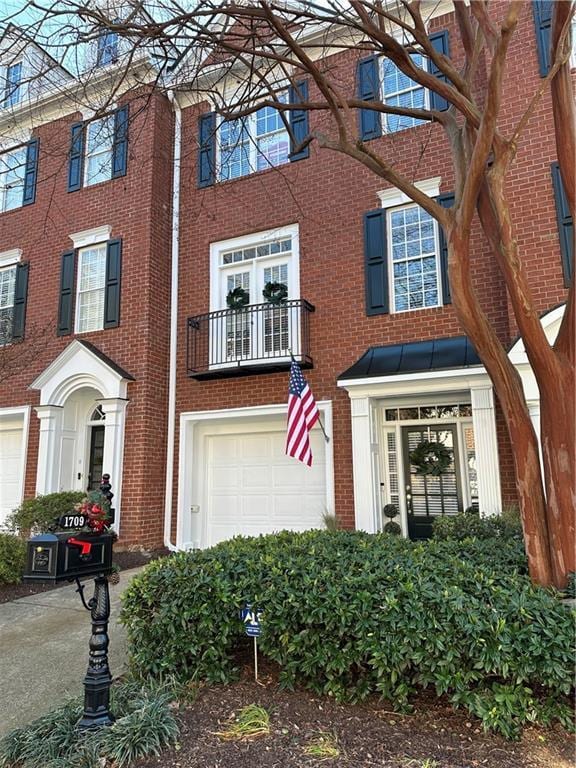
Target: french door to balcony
[258,331]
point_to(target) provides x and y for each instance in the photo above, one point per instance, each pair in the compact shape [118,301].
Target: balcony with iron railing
[259,338]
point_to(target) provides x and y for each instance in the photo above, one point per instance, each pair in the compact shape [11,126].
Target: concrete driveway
[44,650]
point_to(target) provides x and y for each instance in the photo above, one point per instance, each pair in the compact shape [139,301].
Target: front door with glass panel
[96,457]
[258,330]
[429,496]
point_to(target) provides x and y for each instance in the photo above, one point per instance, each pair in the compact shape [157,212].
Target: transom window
[91,288]
[7,288]
[413,243]
[398,90]
[253,252]
[12,90]
[252,143]
[12,173]
[99,143]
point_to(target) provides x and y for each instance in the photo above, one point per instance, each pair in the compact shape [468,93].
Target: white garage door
[11,465]
[252,487]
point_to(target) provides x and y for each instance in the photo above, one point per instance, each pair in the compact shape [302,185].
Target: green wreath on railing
[237,298]
[275,293]
[430,458]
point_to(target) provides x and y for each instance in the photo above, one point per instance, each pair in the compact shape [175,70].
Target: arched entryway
[82,415]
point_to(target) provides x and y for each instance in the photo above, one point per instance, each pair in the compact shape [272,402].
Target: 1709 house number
[72,521]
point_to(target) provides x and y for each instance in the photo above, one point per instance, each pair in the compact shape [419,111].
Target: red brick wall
[138,207]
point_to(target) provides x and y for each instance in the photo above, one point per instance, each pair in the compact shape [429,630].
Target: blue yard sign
[251,618]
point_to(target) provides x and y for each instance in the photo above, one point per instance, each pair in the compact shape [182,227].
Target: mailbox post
[83,550]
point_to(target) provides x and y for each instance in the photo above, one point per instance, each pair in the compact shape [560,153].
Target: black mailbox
[69,555]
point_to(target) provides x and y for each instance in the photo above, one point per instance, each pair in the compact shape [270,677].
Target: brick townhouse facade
[149,373]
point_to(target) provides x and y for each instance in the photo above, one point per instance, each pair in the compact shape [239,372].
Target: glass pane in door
[276,318]
[429,496]
[238,324]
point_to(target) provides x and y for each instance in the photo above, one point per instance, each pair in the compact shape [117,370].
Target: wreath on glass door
[275,293]
[430,458]
[237,298]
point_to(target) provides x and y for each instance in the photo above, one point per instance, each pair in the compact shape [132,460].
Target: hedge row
[350,614]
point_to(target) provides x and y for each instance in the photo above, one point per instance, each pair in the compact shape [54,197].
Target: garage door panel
[11,449]
[253,488]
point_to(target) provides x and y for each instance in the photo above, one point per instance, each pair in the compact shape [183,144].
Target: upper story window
[253,143]
[7,293]
[414,266]
[398,90]
[107,50]
[98,150]
[90,283]
[99,145]
[12,177]
[236,148]
[12,89]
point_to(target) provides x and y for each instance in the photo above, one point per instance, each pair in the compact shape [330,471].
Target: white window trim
[9,151]
[94,236]
[5,94]
[252,147]
[257,238]
[11,257]
[78,292]
[395,198]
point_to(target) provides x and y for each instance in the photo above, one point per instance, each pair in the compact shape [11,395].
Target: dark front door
[429,496]
[96,459]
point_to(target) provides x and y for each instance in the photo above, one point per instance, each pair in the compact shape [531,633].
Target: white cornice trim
[390,198]
[13,256]
[91,236]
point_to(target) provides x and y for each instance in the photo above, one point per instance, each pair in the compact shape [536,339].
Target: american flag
[302,415]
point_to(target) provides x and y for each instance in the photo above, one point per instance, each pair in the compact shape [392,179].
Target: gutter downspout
[175,248]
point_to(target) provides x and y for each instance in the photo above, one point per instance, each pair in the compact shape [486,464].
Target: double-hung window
[107,52]
[414,263]
[252,143]
[12,87]
[12,176]
[91,288]
[398,90]
[7,293]
[99,145]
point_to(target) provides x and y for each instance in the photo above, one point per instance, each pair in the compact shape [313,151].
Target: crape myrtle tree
[265,45]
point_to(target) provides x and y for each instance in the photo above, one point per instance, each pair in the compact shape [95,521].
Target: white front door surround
[234,476]
[369,395]
[70,388]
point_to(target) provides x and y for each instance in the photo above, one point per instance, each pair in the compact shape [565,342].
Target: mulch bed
[367,735]
[125,561]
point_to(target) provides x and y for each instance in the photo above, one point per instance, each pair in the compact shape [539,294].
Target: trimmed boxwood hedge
[349,614]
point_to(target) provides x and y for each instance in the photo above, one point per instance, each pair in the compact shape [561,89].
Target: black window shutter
[299,120]
[207,149]
[31,173]
[120,146]
[112,288]
[375,262]
[542,10]
[441,44]
[446,201]
[76,159]
[565,226]
[370,124]
[66,303]
[20,296]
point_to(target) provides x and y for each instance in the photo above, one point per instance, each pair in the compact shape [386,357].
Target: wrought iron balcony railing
[256,338]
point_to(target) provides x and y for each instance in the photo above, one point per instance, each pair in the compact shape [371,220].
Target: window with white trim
[414,264]
[398,90]
[13,79]
[12,173]
[98,157]
[91,288]
[7,291]
[253,143]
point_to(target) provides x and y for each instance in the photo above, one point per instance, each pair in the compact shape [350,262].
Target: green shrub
[350,614]
[144,724]
[12,558]
[507,525]
[35,515]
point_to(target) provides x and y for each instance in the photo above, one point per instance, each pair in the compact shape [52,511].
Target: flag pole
[326,438]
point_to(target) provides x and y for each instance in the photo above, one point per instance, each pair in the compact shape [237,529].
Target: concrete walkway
[44,650]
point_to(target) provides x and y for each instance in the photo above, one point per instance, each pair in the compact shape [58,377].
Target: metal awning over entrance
[414,357]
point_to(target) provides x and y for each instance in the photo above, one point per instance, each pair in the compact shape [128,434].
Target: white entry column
[363,465]
[114,410]
[486,442]
[48,448]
